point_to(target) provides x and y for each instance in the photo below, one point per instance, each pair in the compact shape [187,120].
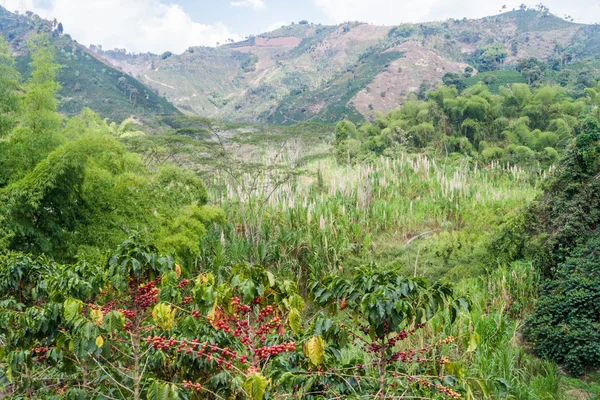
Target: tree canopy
[519,125]
[69,188]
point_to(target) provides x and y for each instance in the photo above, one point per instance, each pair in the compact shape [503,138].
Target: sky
[174,25]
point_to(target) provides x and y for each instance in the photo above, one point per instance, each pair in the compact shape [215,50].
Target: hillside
[446,250]
[87,79]
[309,72]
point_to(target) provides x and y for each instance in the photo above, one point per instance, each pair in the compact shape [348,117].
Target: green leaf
[71,309]
[164,315]
[114,321]
[314,349]
[271,278]
[294,320]
[255,386]
[307,387]
[503,386]
[163,391]
[484,387]
[456,369]
[473,341]
[464,304]
[287,376]
[295,301]
[453,314]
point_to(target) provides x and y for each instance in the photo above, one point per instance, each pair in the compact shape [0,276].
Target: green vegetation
[9,83]
[495,80]
[68,192]
[536,20]
[575,77]
[89,83]
[447,250]
[559,232]
[519,125]
[490,57]
[86,81]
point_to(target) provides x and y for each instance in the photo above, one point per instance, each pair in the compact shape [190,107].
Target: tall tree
[40,102]
[38,129]
[9,89]
[532,69]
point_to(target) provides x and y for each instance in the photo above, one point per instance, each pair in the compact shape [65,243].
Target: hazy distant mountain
[313,72]
[305,72]
[87,79]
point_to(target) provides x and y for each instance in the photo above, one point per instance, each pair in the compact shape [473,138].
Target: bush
[459,145]
[345,130]
[403,31]
[423,133]
[564,326]
[547,139]
[347,150]
[490,79]
[549,155]
[564,225]
[569,212]
[493,154]
[523,154]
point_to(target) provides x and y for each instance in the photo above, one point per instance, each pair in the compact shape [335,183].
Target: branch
[117,349]
[119,370]
[99,393]
[111,377]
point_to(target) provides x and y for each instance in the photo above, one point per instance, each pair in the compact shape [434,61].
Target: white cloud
[137,25]
[256,4]
[276,25]
[394,12]
[384,12]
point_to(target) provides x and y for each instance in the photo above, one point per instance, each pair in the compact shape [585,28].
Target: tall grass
[490,359]
[331,217]
[411,208]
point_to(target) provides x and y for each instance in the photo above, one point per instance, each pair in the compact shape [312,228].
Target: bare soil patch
[403,76]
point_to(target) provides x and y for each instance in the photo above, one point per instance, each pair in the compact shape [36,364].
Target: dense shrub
[523,153]
[521,125]
[564,325]
[493,153]
[568,212]
[560,231]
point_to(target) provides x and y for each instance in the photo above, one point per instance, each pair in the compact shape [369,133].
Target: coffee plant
[142,329]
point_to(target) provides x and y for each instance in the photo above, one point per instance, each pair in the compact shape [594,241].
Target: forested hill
[86,79]
[306,72]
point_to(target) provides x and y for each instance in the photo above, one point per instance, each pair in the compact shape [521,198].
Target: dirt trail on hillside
[159,83]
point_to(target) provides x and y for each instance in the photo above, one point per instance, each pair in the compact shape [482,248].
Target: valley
[349,211]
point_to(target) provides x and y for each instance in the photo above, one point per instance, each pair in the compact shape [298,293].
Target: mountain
[308,72]
[87,79]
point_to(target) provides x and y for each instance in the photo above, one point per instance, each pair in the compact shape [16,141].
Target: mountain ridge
[87,79]
[312,72]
